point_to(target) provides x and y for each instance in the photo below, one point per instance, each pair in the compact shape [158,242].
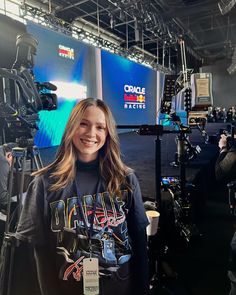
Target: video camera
[185,149]
[21,98]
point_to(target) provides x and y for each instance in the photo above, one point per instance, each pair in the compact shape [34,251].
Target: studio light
[232,68]
[226,5]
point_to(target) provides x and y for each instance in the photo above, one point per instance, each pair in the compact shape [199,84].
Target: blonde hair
[112,168]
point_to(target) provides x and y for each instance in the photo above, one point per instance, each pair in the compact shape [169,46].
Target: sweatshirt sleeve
[31,226]
[137,215]
[137,222]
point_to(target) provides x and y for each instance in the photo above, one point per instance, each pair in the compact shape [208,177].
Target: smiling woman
[91,134]
[83,214]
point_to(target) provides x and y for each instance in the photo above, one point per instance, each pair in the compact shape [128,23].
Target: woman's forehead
[94,112]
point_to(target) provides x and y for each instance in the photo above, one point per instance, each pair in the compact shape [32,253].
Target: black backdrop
[9,30]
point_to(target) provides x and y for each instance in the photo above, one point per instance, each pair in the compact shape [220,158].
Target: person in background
[225,170]
[5,165]
[87,203]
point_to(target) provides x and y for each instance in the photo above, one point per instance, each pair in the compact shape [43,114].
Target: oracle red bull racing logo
[66,52]
[134,97]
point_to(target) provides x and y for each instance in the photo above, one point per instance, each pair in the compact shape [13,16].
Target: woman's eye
[83,124]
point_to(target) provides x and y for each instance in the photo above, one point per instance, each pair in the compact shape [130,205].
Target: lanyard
[88,229]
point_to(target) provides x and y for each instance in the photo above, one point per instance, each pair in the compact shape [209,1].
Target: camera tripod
[183,205]
[20,155]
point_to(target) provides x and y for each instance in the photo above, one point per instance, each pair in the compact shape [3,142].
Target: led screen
[129,89]
[71,66]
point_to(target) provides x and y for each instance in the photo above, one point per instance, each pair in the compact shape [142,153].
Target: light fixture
[82,34]
[226,5]
[232,68]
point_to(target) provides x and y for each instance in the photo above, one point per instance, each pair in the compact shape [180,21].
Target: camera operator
[5,165]
[225,167]
[225,170]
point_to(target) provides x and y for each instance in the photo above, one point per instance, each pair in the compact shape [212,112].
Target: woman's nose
[91,131]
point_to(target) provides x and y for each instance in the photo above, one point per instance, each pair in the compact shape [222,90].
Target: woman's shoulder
[42,179]
[132,178]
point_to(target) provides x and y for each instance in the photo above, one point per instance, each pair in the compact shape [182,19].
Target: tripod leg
[37,159]
[11,267]
[38,162]
[10,185]
[21,186]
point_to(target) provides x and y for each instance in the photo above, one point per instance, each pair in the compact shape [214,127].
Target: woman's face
[91,134]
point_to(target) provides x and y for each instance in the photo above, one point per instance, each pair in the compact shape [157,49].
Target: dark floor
[201,264]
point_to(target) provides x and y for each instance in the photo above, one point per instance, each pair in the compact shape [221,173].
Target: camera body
[182,208]
[197,118]
[21,98]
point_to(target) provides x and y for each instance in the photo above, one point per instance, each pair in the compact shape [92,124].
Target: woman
[87,203]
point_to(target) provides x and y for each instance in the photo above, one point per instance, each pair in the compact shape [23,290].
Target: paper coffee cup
[153,218]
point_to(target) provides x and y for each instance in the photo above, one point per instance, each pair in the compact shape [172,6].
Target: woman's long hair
[112,168]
